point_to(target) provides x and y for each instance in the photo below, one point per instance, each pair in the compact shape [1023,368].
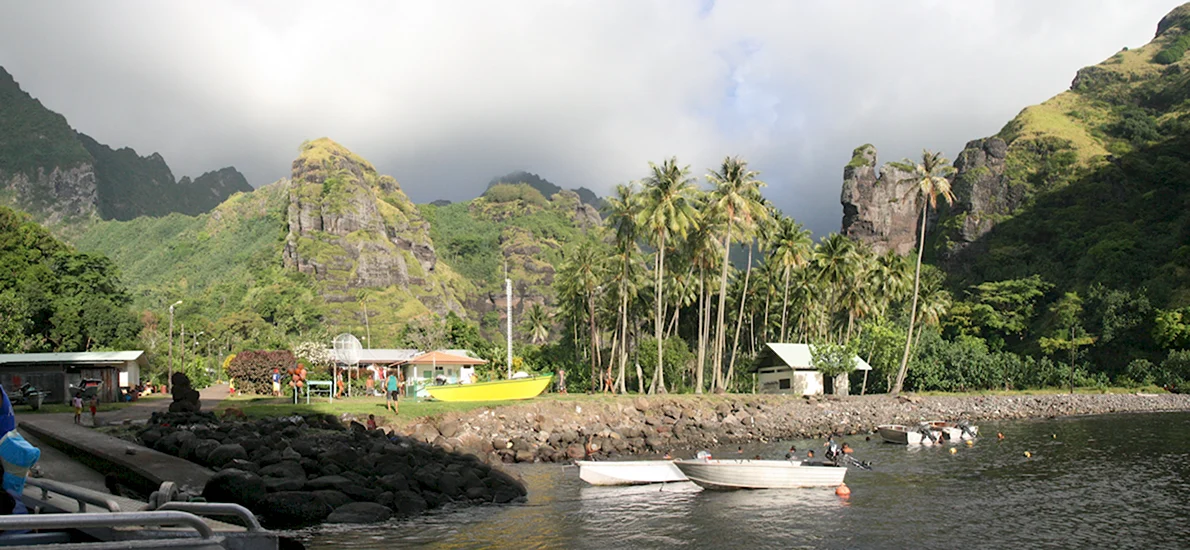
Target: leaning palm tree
[736,199]
[929,178]
[666,211]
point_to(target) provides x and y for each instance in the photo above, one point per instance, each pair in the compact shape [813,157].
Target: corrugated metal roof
[798,356]
[84,357]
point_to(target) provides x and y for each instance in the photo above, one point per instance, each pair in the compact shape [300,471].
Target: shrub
[253,370]
[1173,53]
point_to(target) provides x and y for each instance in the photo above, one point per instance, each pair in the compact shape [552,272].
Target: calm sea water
[1120,481]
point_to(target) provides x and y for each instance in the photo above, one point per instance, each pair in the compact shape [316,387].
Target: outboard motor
[968,429]
[703,455]
[834,453]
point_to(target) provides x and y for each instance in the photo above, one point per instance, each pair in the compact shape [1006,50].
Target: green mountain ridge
[57,174]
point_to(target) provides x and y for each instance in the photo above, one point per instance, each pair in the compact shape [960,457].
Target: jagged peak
[324,149]
[1177,18]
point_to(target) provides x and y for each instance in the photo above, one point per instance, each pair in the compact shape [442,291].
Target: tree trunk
[912,309]
[739,322]
[785,305]
[658,384]
[702,334]
[720,339]
[623,336]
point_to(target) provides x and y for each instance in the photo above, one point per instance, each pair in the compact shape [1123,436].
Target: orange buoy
[1028,454]
[953,450]
[842,490]
[1000,435]
[970,443]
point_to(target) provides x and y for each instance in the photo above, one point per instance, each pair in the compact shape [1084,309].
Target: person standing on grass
[394,391]
[276,382]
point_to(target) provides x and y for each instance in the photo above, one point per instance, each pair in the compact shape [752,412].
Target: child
[94,404]
[77,402]
[371,422]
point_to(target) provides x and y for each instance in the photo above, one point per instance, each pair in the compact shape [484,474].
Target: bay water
[1112,481]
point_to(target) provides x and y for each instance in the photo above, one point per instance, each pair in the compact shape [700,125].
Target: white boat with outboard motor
[955,431]
[717,474]
[628,472]
[909,435]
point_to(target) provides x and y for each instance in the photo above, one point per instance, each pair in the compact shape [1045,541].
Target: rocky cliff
[362,239]
[877,206]
[57,174]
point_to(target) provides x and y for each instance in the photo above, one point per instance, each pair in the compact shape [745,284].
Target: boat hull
[953,431]
[500,390]
[901,435]
[629,472]
[759,474]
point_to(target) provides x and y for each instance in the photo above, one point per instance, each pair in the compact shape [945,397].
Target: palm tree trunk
[702,334]
[720,340]
[658,384]
[764,327]
[624,336]
[912,309]
[739,322]
[785,304]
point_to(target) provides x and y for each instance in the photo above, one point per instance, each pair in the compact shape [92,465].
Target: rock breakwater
[295,471]
[563,430]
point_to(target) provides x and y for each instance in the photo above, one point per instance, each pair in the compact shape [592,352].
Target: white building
[57,373]
[787,369]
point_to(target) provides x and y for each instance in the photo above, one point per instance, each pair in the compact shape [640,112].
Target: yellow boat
[500,390]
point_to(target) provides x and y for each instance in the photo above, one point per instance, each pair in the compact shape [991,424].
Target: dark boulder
[409,503]
[360,512]
[292,509]
[236,486]
[333,498]
[225,453]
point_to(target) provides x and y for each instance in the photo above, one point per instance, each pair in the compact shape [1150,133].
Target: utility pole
[508,299]
[168,382]
[182,360]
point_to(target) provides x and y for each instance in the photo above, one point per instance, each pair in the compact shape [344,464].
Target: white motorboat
[955,431]
[759,474]
[908,435]
[629,472]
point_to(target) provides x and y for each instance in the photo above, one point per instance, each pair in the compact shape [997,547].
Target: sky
[445,95]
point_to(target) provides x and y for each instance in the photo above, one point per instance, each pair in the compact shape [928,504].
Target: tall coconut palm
[622,210]
[582,273]
[735,198]
[667,211]
[790,251]
[703,248]
[929,178]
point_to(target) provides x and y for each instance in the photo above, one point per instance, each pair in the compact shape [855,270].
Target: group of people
[77,403]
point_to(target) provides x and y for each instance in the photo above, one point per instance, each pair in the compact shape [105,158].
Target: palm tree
[791,250]
[666,211]
[929,178]
[703,248]
[735,198]
[537,322]
[622,210]
[581,275]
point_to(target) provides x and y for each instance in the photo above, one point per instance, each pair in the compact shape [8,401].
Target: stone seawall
[563,430]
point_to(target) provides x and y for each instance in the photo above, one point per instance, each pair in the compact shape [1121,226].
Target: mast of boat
[508,301]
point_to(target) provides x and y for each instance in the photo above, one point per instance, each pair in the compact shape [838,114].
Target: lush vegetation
[53,298]
[33,137]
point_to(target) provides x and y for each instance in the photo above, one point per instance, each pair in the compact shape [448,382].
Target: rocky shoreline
[565,430]
[296,471]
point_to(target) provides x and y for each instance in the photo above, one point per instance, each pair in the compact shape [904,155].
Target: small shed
[57,373]
[787,369]
[438,367]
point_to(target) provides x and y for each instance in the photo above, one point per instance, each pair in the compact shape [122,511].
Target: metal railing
[81,495]
[216,509]
[110,519]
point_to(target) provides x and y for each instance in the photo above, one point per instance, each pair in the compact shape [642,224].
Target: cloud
[446,95]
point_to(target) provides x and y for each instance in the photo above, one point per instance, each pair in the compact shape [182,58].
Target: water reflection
[1121,481]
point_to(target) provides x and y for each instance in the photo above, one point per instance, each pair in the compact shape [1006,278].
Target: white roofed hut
[57,373]
[788,369]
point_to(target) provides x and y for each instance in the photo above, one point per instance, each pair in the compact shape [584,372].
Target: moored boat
[629,472]
[954,431]
[500,390]
[759,474]
[908,435]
